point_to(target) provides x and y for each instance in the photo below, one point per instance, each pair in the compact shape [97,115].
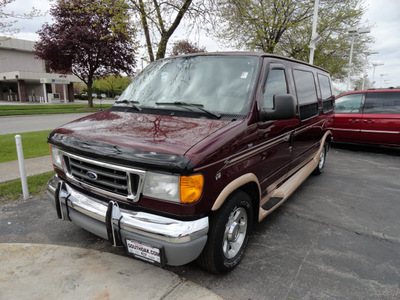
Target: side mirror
[284,108]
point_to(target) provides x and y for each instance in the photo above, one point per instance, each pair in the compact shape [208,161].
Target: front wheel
[230,227]
[322,160]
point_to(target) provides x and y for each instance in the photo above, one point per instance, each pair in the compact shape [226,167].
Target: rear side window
[326,92]
[306,93]
[325,85]
[275,84]
[349,104]
[382,103]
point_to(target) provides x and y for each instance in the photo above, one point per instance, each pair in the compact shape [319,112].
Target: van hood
[135,133]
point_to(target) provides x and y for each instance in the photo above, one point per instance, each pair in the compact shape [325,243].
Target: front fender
[234,185]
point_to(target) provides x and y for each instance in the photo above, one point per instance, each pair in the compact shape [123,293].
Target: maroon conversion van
[196,150]
[368,117]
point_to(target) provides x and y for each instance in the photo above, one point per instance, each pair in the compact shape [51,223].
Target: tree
[89,38]
[111,85]
[362,83]
[160,19]
[185,47]
[260,24]
[8,19]
[332,53]
[284,27]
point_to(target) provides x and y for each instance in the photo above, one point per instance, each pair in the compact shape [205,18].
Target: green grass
[12,190]
[34,144]
[13,110]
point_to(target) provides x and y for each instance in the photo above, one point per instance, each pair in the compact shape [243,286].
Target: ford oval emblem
[91,175]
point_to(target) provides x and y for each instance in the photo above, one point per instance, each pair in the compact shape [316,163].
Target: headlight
[161,186]
[180,189]
[57,158]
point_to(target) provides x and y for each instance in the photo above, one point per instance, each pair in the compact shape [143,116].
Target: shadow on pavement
[394,151]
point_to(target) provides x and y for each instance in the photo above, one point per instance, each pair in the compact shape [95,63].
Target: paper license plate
[145,251]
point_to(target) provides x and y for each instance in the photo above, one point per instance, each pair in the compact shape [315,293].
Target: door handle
[368,121]
[354,120]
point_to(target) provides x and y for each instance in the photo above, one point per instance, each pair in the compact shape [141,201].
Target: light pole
[367,53]
[315,38]
[382,77]
[387,82]
[374,65]
[353,33]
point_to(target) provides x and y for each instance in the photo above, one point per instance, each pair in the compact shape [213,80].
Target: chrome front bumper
[181,241]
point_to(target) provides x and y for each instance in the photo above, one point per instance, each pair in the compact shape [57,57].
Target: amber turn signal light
[191,188]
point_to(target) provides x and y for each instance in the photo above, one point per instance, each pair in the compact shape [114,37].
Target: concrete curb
[38,271]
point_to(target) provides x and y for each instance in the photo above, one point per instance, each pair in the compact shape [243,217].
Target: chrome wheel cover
[321,160]
[235,232]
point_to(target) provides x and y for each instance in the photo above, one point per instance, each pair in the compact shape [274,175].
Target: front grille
[111,180]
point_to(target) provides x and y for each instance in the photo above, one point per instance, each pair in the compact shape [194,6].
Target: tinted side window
[275,84]
[306,93]
[382,103]
[349,104]
[326,92]
[325,85]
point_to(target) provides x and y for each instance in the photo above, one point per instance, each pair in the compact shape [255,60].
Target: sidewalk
[37,271]
[33,166]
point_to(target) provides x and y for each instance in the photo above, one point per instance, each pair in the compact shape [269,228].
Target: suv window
[382,103]
[349,104]
[275,84]
[306,93]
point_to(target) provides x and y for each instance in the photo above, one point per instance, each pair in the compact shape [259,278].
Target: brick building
[24,77]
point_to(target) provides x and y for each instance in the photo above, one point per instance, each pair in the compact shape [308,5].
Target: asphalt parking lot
[337,237]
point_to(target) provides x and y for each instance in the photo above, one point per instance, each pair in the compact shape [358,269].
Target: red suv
[371,117]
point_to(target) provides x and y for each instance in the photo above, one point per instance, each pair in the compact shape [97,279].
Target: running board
[271,202]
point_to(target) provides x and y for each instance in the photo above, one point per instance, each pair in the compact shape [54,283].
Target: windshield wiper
[198,106]
[132,103]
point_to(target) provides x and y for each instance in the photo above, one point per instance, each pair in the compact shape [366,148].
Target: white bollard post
[21,164]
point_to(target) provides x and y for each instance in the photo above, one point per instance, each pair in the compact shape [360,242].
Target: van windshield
[213,84]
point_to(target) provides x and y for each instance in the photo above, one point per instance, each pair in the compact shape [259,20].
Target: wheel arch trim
[235,185]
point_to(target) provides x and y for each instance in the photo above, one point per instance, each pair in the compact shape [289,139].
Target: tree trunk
[89,91]
[146,29]
[165,35]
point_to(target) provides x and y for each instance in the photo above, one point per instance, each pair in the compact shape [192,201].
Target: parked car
[82,96]
[195,150]
[370,117]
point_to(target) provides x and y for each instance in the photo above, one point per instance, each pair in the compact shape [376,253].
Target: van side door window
[347,121]
[349,104]
[307,134]
[381,118]
[306,93]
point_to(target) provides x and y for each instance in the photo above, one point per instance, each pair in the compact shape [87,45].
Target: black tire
[322,159]
[228,235]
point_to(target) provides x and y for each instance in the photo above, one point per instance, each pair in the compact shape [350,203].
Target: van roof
[259,54]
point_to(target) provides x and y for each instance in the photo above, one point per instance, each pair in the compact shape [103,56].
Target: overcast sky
[383,15]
